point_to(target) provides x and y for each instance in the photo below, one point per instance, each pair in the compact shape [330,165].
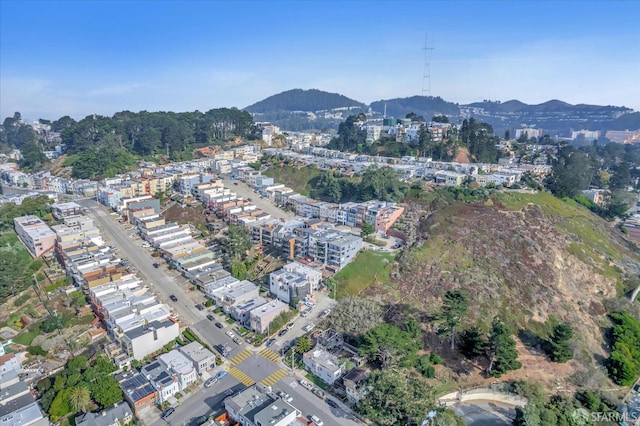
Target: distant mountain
[305,110]
[299,110]
[554,117]
[311,100]
[426,106]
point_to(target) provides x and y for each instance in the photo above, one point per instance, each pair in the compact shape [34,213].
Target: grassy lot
[317,381]
[27,337]
[367,268]
[295,178]
[16,266]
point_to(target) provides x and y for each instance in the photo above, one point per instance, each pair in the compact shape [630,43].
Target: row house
[36,235]
[260,318]
[240,311]
[324,365]
[382,215]
[181,366]
[236,292]
[62,210]
[294,281]
[199,189]
[202,358]
[445,177]
[164,381]
[138,391]
[215,283]
[258,406]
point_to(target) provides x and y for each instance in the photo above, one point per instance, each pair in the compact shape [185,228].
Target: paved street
[245,364]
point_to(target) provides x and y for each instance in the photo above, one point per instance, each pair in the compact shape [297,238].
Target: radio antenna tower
[426,74]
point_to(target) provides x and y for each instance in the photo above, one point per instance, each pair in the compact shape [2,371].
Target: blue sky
[83,57]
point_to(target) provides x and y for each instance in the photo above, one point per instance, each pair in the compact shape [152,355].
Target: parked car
[220,374]
[290,326]
[222,349]
[173,298]
[210,382]
[285,396]
[229,333]
[156,265]
[305,313]
[169,411]
[199,307]
[309,327]
[331,403]
[202,420]
[219,325]
[326,312]
[306,384]
[270,342]
[210,317]
[316,420]
[237,341]
[283,332]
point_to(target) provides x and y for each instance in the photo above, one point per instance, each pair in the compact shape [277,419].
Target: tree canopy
[396,397]
[454,308]
[354,316]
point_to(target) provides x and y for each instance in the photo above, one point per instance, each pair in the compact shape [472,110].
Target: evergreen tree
[454,308]
[502,347]
[559,342]
[472,342]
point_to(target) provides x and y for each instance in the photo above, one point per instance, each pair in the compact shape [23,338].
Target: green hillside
[303,100]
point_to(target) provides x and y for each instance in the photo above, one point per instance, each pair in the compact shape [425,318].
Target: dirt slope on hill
[524,257]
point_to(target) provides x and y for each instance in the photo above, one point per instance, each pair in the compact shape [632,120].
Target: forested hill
[425,106]
[102,146]
[303,100]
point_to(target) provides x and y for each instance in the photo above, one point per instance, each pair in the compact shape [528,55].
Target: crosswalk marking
[240,357]
[242,377]
[274,378]
[270,355]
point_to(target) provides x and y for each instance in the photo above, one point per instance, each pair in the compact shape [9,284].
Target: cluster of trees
[78,385]
[379,183]
[39,206]
[16,134]
[500,346]
[624,361]
[612,167]
[398,395]
[354,317]
[480,140]
[545,410]
[103,161]
[237,243]
[477,137]
[53,323]
[503,355]
[146,133]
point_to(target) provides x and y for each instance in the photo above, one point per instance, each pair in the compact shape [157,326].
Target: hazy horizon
[82,58]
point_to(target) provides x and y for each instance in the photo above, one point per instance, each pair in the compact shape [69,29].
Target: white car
[306,384]
[316,420]
[309,327]
[229,333]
